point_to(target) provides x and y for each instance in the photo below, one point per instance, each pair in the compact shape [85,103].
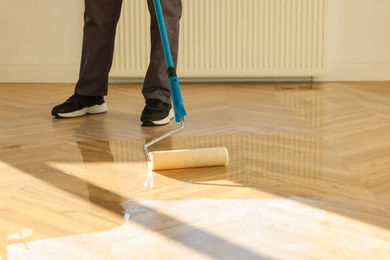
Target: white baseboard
[356,70]
[46,73]
[337,70]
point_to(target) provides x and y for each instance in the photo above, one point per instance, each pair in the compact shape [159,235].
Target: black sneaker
[78,105]
[156,112]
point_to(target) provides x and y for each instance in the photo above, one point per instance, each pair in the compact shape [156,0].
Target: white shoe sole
[163,121]
[96,109]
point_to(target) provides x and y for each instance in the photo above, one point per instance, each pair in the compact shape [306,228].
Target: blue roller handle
[174,84]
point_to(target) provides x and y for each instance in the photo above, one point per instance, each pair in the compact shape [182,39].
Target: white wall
[41,40]
[358,40]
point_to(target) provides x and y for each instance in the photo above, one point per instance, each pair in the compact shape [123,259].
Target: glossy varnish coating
[308,177]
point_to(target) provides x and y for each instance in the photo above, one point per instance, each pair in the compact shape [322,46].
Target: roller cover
[177,159]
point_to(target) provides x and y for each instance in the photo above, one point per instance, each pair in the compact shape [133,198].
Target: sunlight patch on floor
[207,228]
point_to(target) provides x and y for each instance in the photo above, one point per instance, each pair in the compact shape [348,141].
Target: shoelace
[155,103]
[74,98]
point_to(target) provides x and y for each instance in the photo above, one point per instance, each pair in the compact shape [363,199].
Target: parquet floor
[308,177]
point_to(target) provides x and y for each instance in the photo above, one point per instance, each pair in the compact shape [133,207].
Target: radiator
[231,38]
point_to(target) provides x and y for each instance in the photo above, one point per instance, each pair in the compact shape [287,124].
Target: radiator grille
[231,38]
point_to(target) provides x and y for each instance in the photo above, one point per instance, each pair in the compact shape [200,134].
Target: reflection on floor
[308,176]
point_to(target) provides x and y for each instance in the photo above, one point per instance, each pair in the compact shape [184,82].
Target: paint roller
[176,159]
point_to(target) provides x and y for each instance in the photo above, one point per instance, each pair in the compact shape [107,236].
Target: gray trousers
[100,21]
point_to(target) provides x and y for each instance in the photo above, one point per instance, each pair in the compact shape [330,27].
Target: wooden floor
[308,177]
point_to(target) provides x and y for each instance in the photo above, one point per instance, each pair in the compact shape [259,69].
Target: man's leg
[156,88]
[100,20]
